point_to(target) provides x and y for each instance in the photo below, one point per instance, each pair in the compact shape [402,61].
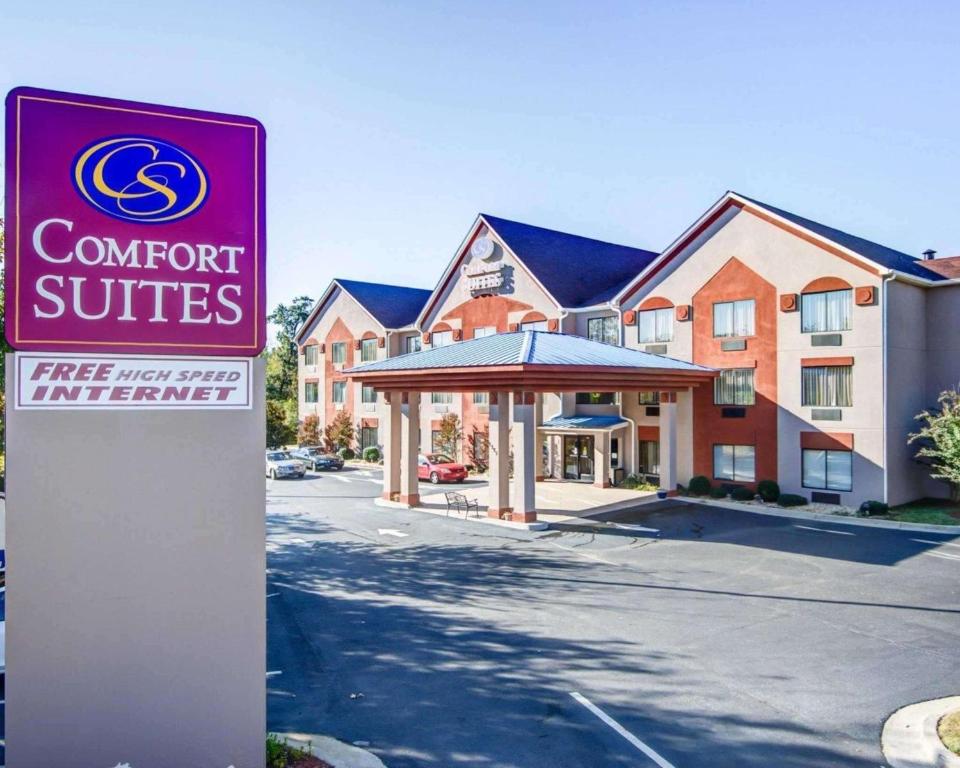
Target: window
[481,447]
[734,386]
[481,398]
[598,398]
[441,398]
[411,344]
[733,318]
[827,311]
[311,392]
[435,441]
[368,437]
[603,329]
[368,350]
[828,386]
[310,355]
[368,395]
[831,470]
[655,325]
[338,352]
[487,330]
[339,391]
[649,457]
[441,338]
[534,325]
[648,398]
[734,462]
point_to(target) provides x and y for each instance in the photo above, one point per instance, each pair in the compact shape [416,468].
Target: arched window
[826,306]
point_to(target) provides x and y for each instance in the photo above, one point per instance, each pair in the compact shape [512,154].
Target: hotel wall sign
[133,228]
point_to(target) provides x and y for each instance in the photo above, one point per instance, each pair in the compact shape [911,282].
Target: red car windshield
[439,458]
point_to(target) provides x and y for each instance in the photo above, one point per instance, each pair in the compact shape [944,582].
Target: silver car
[279,464]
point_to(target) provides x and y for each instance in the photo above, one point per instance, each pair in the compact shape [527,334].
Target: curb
[540,525]
[822,517]
[338,753]
[910,738]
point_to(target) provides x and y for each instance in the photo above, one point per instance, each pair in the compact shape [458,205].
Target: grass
[927,511]
[281,754]
[949,730]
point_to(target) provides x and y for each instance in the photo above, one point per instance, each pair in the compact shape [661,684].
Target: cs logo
[136,178]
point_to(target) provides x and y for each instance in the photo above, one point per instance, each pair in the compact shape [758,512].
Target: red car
[438,468]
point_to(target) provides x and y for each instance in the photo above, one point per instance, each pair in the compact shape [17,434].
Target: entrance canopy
[531,361]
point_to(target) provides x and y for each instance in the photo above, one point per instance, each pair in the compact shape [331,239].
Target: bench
[460,503]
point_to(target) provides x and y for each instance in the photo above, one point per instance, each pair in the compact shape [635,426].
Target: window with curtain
[441,338]
[441,398]
[311,392]
[826,311]
[368,350]
[734,318]
[487,330]
[734,386]
[734,462]
[649,457]
[603,329]
[648,398]
[369,438]
[481,398]
[339,391]
[598,398]
[411,344]
[830,470]
[534,325]
[310,355]
[338,352]
[828,386]
[655,325]
[368,395]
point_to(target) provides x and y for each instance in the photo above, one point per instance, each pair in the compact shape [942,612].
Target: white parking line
[639,528]
[938,543]
[273,594]
[825,530]
[661,761]
[274,673]
[942,555]
[341,479]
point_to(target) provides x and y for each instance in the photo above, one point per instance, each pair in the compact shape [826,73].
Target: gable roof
[878,254]
[576,271]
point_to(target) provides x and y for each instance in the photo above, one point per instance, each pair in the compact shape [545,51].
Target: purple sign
[133,228]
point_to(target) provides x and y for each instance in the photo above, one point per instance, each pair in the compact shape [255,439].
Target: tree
[282,356]
[279,430]
[309,430]
[939,440]
[448,441]
[339,433]
[478,448]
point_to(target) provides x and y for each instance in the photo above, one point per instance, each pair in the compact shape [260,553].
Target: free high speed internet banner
[133,228]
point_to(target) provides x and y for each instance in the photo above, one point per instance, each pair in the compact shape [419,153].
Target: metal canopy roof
[531,361]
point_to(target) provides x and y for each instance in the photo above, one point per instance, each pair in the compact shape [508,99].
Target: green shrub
[741,494]
[346,454]
[699,485]
[637,483]
[371,454]
[718,493]
[791,500]
[873,508]
[768,490]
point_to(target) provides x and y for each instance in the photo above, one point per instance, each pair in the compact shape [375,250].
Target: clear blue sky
[391,125]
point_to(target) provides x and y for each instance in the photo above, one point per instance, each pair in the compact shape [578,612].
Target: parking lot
[723,638]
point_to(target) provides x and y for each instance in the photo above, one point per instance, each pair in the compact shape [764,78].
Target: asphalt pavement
[719,638]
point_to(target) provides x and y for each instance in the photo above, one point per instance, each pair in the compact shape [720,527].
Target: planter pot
[661,494]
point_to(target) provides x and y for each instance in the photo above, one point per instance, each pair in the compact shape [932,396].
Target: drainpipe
[884,318]
[634,439]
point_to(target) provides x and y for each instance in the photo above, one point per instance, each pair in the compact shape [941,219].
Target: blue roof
[393,306]
[584,422]
[529,348]
[879,254]
[577,271]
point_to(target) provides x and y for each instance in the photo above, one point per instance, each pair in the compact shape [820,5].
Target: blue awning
[584,423]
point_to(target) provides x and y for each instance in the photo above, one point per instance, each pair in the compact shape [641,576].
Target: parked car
[279,464]
[316,459]
[438,468]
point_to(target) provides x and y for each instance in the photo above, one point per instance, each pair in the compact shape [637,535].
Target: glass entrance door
[578,458]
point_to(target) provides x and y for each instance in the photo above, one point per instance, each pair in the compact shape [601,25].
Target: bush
[371,454]
[873,508]
[742,494]
[768,490]
[699,485]
[346,454]
[791,500]
[637,483]
[718,493]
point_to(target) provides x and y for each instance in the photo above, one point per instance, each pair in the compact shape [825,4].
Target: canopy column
[390,435]
[499,455]
[524,458]
[409,448]
[668,442]
[601,459]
